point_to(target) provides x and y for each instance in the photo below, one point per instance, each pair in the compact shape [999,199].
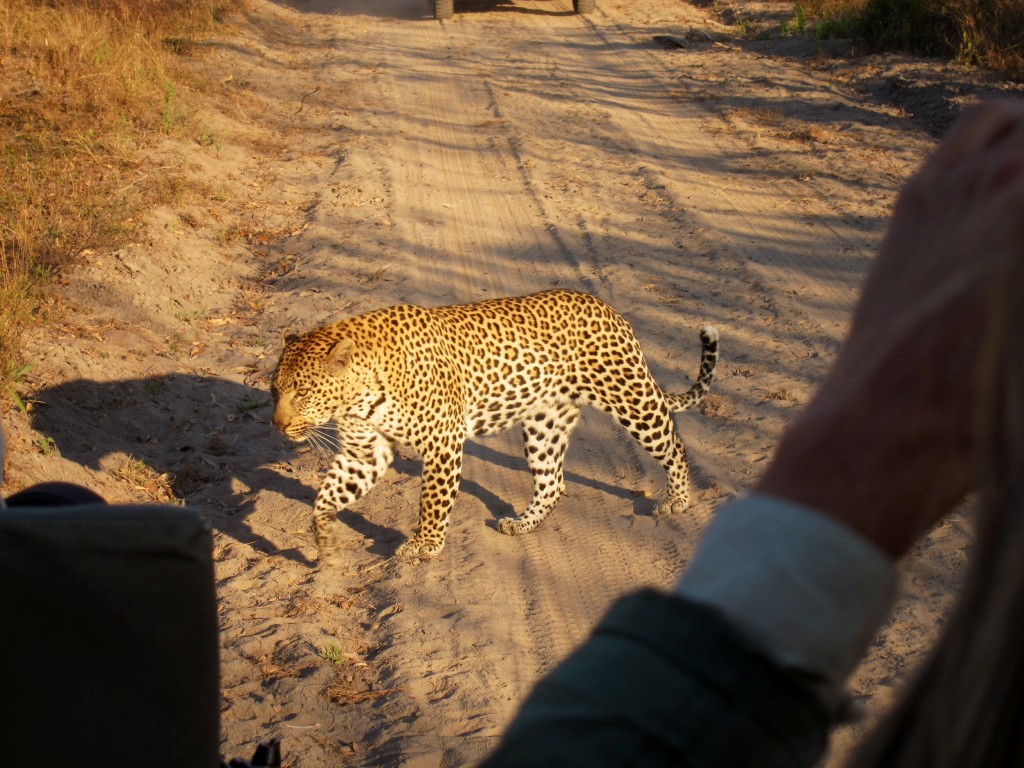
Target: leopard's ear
[339,354]
[288,338]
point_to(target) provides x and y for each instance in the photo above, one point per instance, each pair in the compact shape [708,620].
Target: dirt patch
[361,155]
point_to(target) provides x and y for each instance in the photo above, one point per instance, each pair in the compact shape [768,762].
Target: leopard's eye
[302,391]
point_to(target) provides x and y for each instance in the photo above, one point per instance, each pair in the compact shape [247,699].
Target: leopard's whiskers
[323,439]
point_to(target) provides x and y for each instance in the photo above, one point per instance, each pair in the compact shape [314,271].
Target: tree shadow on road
[411,10]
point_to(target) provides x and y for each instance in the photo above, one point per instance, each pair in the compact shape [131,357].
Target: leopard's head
[306,385]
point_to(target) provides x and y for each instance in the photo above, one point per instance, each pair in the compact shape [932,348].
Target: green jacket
[665,681]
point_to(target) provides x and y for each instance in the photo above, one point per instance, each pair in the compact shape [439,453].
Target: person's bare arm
[887,445]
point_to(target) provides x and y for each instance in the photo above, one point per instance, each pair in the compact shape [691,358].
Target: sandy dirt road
[362,155]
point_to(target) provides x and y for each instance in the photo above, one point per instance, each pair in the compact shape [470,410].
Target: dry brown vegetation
[86,85]
[989,33]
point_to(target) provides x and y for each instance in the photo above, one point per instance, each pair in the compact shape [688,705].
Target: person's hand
[887,446]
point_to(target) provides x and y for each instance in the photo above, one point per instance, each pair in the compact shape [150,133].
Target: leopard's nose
[280,421]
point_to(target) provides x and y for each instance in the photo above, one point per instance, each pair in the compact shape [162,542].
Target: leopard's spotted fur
[430,378]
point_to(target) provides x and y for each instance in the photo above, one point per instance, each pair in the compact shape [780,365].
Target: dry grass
[984,32]
[340,693]
[86,84]
[146,482]
[993,34]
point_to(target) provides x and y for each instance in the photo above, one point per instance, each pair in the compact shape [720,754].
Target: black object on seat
[109,650]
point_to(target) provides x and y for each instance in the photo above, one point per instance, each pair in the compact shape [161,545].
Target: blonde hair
[966,706]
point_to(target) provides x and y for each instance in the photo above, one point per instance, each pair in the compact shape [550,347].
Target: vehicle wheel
[584,6]
[445,9]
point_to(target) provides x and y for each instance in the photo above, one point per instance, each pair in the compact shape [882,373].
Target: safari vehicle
[445,9]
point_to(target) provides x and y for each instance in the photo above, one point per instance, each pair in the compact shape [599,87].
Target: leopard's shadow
[211,441]
[385,540]
[500,508]
[208,439]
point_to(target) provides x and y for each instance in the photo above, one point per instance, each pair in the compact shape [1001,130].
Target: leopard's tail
[708,361]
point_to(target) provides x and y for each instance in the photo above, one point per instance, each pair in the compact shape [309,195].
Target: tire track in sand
[466,220]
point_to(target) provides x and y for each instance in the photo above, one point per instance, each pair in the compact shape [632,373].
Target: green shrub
[923,26]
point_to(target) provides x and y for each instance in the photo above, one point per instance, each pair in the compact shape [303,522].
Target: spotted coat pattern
[430,378]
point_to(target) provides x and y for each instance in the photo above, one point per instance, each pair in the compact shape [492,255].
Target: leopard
[430,378]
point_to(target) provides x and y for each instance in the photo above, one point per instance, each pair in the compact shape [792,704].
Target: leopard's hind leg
[546,434]
[647,417]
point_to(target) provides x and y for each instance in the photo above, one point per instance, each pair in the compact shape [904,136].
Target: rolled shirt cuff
[808,591]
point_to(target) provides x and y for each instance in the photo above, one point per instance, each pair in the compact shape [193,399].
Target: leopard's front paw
[418,548]
[328,542]
[513,526]
[671,506]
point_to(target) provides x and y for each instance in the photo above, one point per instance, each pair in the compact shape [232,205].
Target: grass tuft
[87,84]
